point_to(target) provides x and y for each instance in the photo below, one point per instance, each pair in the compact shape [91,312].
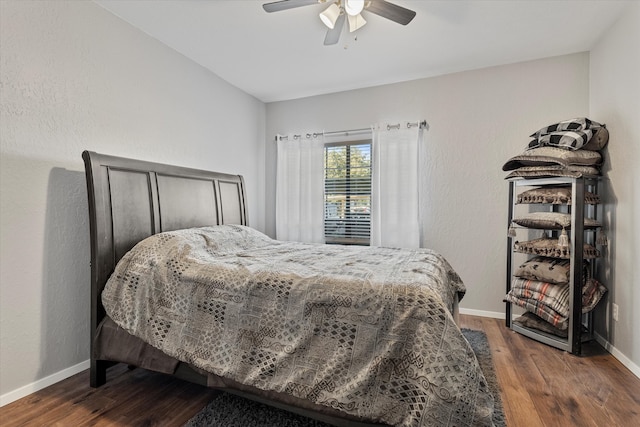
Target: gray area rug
[227,410]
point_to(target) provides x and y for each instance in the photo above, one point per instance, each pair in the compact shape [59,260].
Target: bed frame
[130,200]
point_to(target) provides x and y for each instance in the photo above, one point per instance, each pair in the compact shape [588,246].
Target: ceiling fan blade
[333,35]
[391,11]
[277,6]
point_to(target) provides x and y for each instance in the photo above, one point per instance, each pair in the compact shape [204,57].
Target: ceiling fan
[340,11]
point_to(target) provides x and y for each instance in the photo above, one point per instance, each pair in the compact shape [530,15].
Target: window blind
[347,193]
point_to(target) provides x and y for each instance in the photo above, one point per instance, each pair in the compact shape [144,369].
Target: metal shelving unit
[578,236]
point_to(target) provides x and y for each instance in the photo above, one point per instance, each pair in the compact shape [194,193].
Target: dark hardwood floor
[540,386]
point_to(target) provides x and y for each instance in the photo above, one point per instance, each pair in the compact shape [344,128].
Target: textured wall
[75,77]
[615,99]
[478,120]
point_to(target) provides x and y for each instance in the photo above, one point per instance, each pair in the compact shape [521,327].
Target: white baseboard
[635,369]
[482,313]
[26,390]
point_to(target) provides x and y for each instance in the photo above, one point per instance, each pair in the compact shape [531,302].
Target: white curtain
[300,189]
[395,214]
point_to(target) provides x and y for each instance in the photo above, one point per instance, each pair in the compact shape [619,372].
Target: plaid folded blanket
[571,134]
[580,123]
[567,140]
[550,301]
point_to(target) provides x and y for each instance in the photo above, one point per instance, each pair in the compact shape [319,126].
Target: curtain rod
[423,125]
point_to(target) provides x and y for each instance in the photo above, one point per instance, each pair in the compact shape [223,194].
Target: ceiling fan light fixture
[353,7]
[337,12]
[356,22]
[330,15]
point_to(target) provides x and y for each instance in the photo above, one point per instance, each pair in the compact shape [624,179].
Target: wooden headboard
[130,200]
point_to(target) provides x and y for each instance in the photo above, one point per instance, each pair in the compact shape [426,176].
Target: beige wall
[615,99]
[478,120]
[75,77]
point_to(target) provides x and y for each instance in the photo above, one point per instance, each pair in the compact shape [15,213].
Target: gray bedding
[368,331]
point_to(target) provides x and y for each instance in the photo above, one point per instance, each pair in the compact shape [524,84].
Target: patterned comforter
[365,330]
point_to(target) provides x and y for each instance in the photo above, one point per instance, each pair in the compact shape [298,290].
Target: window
[347,192]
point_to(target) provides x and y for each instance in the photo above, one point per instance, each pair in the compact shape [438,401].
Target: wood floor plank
[519,408]
[539,386]
[543,372]
[566,390]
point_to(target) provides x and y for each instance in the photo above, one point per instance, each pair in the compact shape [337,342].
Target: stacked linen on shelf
[541,286]
[568,148]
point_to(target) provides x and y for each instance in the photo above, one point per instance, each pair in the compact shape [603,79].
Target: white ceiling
[280,56]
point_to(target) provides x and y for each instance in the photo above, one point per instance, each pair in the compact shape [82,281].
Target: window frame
[348,239]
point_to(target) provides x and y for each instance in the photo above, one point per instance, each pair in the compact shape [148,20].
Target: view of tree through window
[347,193]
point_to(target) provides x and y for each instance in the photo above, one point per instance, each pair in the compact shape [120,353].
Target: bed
[349,336]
